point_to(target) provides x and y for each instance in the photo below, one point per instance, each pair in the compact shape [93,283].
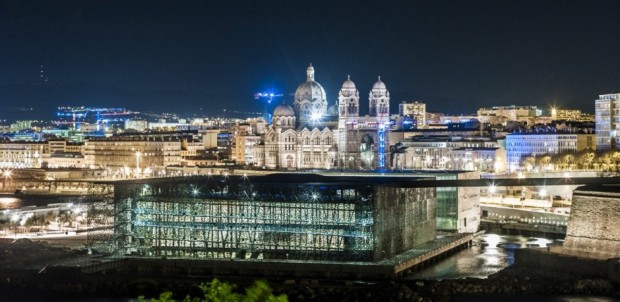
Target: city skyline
[203,57]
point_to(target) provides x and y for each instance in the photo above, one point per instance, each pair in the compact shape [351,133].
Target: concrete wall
[562,263]
[468,205]
[594,224]
[403,219]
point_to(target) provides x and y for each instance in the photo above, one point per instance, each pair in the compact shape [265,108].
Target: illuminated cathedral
[314,135]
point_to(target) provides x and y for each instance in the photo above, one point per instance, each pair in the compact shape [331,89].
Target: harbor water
[488,254]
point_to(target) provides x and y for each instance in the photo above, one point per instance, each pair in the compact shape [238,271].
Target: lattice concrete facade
[269,218]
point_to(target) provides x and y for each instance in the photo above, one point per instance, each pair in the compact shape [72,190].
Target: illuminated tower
[348,103]
[379,98]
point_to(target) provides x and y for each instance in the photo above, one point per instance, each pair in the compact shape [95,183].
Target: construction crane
[78,114]
[268,98]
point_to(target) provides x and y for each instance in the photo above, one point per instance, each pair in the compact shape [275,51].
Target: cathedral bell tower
[348,104]
[379,98]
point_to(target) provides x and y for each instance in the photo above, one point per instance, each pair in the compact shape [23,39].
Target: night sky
[204,56]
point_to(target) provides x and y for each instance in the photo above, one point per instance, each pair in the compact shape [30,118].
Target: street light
[7,174]
[148,171]
[138,154]
[542,193]
[492,189]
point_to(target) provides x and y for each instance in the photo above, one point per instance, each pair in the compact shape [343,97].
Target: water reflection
[489,254]
[7,203]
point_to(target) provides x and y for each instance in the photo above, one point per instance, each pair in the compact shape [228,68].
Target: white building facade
[132,156]
[21,154]
[607,119]
[416,110]
[314,135]
[521,145]
[450,154]
[503,114]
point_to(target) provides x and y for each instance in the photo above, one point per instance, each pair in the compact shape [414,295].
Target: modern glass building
[281,216]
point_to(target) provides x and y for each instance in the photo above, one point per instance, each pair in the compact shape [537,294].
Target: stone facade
[593,228]
[313,135]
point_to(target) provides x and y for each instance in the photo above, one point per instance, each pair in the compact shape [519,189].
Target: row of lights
[532,220]
[542,192]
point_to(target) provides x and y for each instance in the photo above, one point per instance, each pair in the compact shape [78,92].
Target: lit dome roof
[283,110]
[310,89]
[332,110]
[379,84]
[348,84]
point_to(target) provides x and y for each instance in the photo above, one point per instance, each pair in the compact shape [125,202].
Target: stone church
[314,135]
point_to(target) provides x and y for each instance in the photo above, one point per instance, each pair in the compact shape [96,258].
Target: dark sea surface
[489,254]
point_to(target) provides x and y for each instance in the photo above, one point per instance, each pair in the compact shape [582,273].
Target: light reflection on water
[10,203]
[489,254]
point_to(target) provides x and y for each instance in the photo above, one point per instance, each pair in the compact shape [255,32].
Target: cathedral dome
[283,110]
[348,84]
[310,98]
[310,90]
[379,85]
[332,110]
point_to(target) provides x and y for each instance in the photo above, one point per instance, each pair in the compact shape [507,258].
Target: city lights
[340,150]
[542,193]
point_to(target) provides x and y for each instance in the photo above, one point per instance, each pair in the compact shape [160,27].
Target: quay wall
[561,263]
[594,227]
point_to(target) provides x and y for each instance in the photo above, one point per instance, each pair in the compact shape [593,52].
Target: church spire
[310,73]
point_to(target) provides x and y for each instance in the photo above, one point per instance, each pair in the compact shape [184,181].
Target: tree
[586,159]
[260,291]
[64,218]
[217,291]
[35,221]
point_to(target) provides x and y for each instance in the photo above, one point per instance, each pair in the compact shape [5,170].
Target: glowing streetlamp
[148,171]
[7,174]
[542,193]
[492,189]
[138,154]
